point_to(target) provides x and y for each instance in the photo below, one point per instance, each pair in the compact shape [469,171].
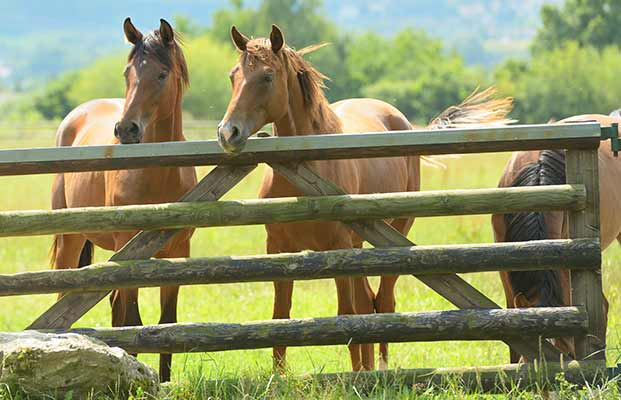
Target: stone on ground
[55,364]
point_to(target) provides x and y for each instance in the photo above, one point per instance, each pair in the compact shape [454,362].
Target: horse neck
[166,129]
[169,128]
[302,119]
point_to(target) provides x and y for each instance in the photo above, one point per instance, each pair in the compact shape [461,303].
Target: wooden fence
[477,317]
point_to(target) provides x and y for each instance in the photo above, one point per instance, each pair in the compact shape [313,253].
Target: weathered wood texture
[300,148]
[380,234]
[421,260]
[405,327]
[145,244]
[264,211]
[492,379]
[582,167]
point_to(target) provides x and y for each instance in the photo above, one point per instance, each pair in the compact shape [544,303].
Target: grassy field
[243,302]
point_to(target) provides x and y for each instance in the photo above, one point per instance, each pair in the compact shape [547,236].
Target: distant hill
[40,38]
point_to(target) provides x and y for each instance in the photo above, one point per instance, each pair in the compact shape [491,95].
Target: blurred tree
[588,22]
[54,101]
[567,81]
[412,72]
[187,27]
[102,79]
[209,63]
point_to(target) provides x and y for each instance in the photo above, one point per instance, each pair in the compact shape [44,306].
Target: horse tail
[480,108]
[544,285]
[86,255]
[54,251]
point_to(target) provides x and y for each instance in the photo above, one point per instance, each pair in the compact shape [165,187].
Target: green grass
[253,301]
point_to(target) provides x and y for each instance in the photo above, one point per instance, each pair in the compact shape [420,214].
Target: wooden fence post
[586,286]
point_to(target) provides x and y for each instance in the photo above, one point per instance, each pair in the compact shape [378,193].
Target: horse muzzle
[128,132]
[232,137]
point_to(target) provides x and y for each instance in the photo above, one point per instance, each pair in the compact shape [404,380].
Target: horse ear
[277,39]
[132,34]
[239,39]
[166,32]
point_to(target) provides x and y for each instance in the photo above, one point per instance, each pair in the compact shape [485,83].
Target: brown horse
[532,168]
[272,83]
[156,76]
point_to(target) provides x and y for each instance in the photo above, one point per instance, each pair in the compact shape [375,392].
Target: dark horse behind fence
[156,76]
[550,288]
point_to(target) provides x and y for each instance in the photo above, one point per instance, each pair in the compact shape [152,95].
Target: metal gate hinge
[612,133]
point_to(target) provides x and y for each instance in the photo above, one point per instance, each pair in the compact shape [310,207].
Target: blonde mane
[311,81]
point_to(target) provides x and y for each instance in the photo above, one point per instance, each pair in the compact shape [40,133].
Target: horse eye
[269,78]
[162,76]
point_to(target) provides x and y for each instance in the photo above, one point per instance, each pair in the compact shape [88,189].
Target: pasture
[244,302]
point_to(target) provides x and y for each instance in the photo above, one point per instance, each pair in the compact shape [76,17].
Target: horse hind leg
[283,292]
[385,300]
[385,303]
[345,298]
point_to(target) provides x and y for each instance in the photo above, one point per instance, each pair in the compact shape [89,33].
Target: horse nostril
[116,130]
[234,133]
[134,128]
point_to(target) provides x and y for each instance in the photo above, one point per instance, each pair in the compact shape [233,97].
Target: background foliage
[571,70]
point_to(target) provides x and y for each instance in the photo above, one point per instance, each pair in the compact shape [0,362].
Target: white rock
[55,364]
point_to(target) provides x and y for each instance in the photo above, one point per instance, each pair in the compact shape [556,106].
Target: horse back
[90,123]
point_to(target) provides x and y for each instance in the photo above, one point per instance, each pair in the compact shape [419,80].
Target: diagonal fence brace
[380,234]
[71,307]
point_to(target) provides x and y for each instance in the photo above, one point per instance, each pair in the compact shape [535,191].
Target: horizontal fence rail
[278,210]
[493,379]
[300,148]
[421,260]
[402,327]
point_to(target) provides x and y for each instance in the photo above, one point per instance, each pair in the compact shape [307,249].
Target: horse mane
[548,170]
[171,56]
[310,79]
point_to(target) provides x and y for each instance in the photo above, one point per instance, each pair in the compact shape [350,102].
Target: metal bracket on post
[612,132]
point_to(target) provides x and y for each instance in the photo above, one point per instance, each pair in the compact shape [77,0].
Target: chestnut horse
[156,77]
[272,83]
[551,288]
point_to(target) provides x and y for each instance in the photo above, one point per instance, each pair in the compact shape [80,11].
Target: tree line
[572,68]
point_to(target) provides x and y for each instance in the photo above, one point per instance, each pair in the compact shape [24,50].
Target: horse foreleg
[124,302]
[168,304]
[168,307]
[385,303]
[363,304]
